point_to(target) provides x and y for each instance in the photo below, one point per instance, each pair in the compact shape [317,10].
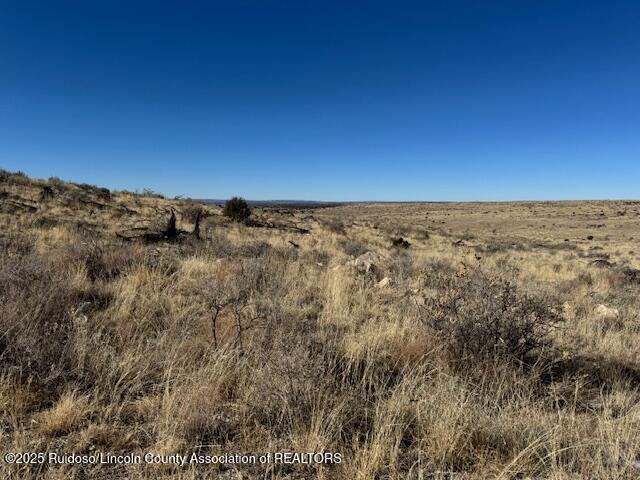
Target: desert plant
[335,226]
[148,192]
[16,178]
[483,317]
[353,248]
[34,319]
[237,209]
[58,184]
[102,193]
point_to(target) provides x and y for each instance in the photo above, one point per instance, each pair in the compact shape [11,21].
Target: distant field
[494,340]
[280,203]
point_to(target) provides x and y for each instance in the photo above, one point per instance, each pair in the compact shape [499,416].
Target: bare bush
[150,193]
[484,317]
[336,226]
[35,320]
[353,248]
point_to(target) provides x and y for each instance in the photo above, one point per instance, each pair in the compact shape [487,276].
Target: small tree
[237,209]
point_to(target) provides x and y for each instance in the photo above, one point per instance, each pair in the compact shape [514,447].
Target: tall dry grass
[459,368]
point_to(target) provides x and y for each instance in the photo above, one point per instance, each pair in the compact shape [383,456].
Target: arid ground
[493,340]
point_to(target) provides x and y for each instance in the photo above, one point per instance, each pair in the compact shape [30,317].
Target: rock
[606,313]
[385,283]
[368,262]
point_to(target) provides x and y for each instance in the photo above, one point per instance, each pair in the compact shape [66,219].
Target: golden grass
[110,345]
[65,416]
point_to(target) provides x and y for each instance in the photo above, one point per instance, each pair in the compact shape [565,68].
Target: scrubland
[502,342]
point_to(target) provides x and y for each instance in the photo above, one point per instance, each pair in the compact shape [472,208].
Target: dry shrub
[15,245]
[103,194]
[353,248]
[58,185]
[484,317]
[335,225]
[150,193]
[15,178]
[402,265]
[282,393]
[34,316]
[108,262]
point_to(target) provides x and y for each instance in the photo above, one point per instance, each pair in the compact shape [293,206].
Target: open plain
[435,340]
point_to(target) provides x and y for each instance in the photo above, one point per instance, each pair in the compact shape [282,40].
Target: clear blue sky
[345,100]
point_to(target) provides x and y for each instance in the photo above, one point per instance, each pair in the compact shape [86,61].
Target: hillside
[465,341]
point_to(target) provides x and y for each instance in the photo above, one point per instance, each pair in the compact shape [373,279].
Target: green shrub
[237,209]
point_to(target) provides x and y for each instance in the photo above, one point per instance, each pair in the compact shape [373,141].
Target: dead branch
[196,228]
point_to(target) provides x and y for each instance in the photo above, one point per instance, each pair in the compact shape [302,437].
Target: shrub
[484,317]
[336,226]
[103,263]
[237,209]
[353,248]
[102,193]
[148,192]
[16,178]
[34,319]
[57,183]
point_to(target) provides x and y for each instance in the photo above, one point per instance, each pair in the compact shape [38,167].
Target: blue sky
[322,100]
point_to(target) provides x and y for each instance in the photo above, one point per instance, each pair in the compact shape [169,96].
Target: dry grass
[488,354]
[64,417]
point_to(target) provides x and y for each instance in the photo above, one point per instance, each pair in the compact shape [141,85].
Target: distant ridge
[280,203]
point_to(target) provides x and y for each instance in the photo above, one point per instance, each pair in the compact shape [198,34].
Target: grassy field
[501,341]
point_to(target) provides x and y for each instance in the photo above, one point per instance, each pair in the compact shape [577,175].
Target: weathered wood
[196,228]
[170,233]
